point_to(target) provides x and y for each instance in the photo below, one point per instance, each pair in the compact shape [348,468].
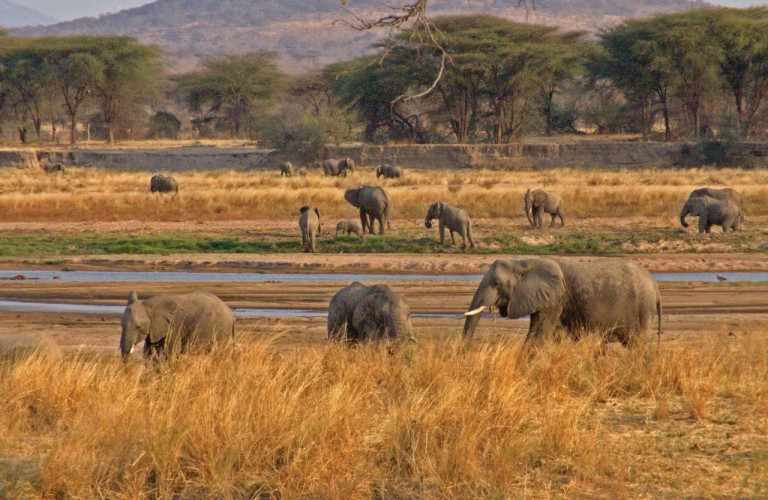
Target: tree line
[471,78]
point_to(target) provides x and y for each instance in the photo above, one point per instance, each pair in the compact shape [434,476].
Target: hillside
[303,32]
[13,14]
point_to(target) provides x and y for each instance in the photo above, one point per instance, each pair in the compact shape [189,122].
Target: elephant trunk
[686,210]
[127,341]
[528,212]
[485,298]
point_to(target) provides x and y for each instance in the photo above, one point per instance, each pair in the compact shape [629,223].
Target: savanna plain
[283,414]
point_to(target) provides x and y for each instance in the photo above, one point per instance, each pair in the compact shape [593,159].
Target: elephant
[333,166]
[373,202]
[18,346]
[543,201]
[711,212]
[616,298]
[454,218]
[163,184]
[389,171]
[172,324]
[349,227]
[726,194]
[309,223]
[286,169]
[359,313]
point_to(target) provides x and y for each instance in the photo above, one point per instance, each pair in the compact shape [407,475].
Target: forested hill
[303,32]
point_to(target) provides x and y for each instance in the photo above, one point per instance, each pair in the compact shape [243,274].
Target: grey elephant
[711,212]
[349,227]
[453,218]
[725,194]
[539,201]
[611,296]
[333,166]
[19,346]
[52,168]
[172,324]
[163,184]
[374,204]
[286,169]
[389,171]
[359,313]
[309,223]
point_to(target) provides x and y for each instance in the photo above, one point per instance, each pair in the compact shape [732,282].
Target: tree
[26,75]
[77,75]
[233,87]
[128,77]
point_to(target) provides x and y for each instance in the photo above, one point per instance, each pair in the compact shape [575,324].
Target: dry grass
[433,422]
[95,195]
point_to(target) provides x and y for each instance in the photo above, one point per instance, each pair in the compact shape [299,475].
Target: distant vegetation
[700,74]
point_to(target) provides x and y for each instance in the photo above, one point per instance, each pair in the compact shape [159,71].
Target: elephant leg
[364,221]
[304,238]
[463,234]
[552,223]
[543,324]
[312,242]
[560,214]
[442,233]
[469,235]
[539,221]
[453,240]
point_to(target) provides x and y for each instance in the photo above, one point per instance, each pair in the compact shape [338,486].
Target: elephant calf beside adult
[333,166]
[454,218]
[613,297]
[726,194]
[286,169]
[711,212]
[543,201]
[163,184]
[172,324]
[349,227]
[374,204]
[359,313]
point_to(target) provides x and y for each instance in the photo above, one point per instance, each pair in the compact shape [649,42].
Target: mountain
[308,34]
[66,10]
[13,14]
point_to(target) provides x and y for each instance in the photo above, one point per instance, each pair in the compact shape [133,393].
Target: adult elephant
[374,204]
[359,313]
[333,166]
[286,169]
[616,298]
[539,201]
[309,223]
[171,324]
[163,184]
[454,218]
[711,212]
[389,171]
[725,194]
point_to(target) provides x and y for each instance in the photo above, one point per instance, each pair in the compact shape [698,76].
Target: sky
[65,10]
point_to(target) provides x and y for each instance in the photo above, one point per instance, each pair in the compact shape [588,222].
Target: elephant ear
[540,286]
[539,198]
[303,209]
[163,320]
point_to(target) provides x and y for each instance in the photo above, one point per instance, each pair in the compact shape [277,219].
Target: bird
[721,278]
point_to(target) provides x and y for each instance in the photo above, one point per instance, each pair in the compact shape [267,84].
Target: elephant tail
[658,314]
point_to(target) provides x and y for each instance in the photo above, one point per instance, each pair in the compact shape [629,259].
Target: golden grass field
[98,195]
[436,421]
[284,415]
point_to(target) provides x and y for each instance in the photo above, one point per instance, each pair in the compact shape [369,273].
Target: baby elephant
[286,169]
[172,324]
[389,171]
[163,184]
[309,223]
[455,219]
[359,313]
[543,201]
[712,212]
[349,227]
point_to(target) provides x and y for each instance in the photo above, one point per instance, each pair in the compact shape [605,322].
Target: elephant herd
[616,298]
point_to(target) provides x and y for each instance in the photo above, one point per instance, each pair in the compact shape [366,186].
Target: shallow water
[106,309]
[247,277]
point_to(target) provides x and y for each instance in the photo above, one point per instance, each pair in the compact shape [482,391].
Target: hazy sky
[65,10]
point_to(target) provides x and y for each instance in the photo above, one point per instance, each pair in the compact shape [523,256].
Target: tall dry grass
[97,195]
[434,421]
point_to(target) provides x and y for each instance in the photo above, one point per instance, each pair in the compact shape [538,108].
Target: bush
[163,125]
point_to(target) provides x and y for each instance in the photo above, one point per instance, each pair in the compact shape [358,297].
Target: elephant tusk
[476,311]
[131,350]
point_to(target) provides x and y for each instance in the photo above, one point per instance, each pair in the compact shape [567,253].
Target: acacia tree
[27,76]
[76,75]
[232,87]
[128,76]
